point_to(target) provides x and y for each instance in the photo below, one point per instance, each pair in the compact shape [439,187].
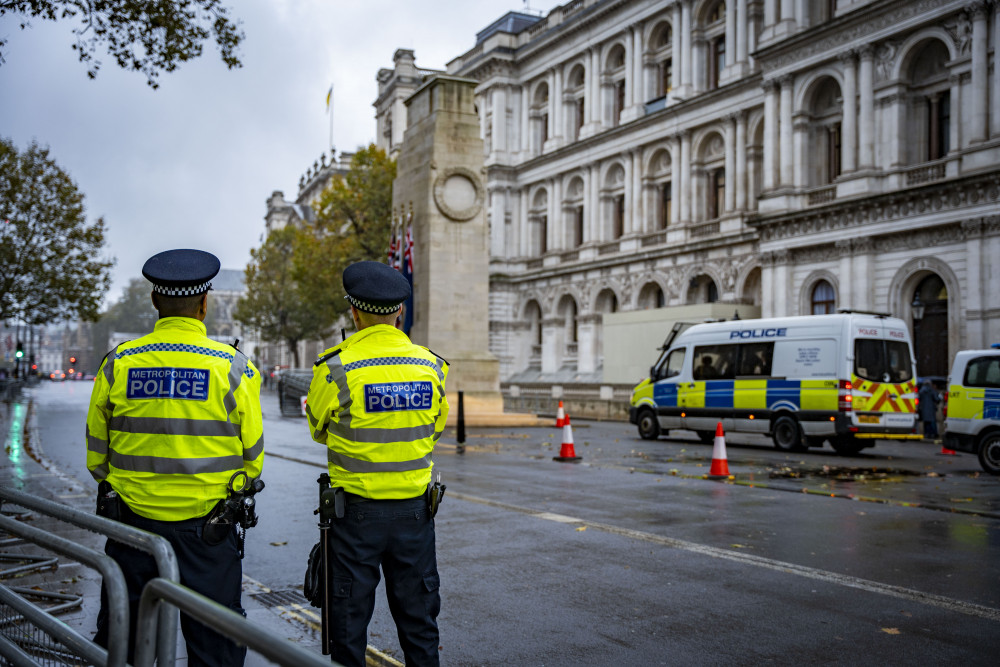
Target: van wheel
[786,434]
[707,437]
[989,453]
[649,428]
[846,445]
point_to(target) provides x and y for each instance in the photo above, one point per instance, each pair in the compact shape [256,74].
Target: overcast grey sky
[192,163]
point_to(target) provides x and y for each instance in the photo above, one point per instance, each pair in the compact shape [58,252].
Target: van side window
[675,362]
[983,372]
[755,359]
[715,362]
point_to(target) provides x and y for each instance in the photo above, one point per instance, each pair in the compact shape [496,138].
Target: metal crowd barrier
[117,603]
[158,547]
[224,621]
[156,631]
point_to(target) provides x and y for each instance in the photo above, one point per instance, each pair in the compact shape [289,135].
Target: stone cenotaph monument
[439,180]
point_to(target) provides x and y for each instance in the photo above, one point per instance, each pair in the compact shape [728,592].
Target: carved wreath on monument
[458,193]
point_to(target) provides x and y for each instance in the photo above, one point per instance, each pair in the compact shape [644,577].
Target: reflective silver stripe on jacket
[357,465]
[338,376]
[168,466]
[95,444]
[236,368]
[255,451]
[172,426]
[381,435]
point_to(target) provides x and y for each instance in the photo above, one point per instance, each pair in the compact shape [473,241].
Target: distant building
[796,157]
[280,213]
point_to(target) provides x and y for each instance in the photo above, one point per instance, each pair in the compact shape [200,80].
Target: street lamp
[917,307]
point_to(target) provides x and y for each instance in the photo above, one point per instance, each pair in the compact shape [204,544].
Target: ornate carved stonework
[864,28]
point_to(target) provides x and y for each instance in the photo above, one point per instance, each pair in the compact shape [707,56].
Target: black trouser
[214,571]
[399,536]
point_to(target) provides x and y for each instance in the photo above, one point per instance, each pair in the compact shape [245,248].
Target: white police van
[972,419]
[847,378]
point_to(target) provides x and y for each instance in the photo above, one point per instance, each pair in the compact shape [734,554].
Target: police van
[846,378]
[972,420]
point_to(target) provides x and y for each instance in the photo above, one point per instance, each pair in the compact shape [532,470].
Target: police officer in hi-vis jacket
[377,401]
[174,425]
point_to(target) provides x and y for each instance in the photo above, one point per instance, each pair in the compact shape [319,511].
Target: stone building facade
[802,156]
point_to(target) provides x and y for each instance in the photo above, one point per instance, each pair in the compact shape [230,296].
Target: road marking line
[950,604]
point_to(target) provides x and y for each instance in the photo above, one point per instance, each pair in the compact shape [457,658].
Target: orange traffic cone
[567,453]
[720,466]
[560,416]
[947,452]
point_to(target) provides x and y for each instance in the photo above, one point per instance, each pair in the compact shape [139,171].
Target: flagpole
[331,115]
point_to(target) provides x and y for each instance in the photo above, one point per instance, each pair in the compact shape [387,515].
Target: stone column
[741,161]
[633,198]
[586,346]
[551,344]
[557,105]
[595,208]
[863,277]
[781,285]
[557,224]
[771,144]
[956,113]
[685,203]
[730,148]
[980,76]
[685,46]
[788,10]
[678,54]
[787,168]
[866,135]
[849,138]
[975,290]
[742,26]
[500,148]
[675,180]
[770,13]
[995,90]
[845,273]
[730,34]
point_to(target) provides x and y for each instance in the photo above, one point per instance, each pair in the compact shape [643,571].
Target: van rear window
[882,360]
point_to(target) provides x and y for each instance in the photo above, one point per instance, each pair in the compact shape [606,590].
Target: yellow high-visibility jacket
[378,402]
[172,416]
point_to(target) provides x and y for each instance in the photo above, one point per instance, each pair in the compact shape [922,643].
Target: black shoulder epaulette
[437,355]
[328,355]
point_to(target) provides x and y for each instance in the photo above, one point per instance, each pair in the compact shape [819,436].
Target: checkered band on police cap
[182,291]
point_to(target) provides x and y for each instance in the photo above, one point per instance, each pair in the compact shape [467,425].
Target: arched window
[651,296]
[715,36]
[823,300]
[929,126]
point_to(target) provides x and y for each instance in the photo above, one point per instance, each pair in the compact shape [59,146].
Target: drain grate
[281,598]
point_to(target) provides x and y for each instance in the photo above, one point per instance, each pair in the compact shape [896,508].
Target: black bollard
[461,422]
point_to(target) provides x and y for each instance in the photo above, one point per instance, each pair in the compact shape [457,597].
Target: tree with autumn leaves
[294,289]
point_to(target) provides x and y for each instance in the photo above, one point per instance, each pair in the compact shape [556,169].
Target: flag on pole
[407,269]
[329,96]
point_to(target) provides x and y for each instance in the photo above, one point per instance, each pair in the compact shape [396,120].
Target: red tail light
[845,399]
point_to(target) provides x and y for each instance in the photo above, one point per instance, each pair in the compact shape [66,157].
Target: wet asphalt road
[630,557]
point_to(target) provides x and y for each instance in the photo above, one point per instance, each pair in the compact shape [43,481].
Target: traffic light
[72,360]
[20,351]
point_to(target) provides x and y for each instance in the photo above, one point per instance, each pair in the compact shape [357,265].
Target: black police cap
[182,272]
[374,287]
